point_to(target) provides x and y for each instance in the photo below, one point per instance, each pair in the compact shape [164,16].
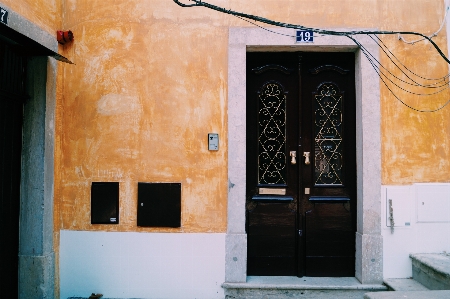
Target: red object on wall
[64,36]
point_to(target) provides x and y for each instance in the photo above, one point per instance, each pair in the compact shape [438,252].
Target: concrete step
[432,270]
[409,295]
[404,284]
[281,287]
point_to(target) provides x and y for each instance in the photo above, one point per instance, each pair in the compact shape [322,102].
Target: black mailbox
[105,203]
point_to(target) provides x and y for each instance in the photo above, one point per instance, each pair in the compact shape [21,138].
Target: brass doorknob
[306,155]
[293,155]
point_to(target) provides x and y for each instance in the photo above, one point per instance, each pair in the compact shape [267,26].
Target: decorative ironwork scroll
[328,156]
[272,134]
[328,67]
[269,67]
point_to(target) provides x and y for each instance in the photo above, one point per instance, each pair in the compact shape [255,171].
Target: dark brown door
[301,164]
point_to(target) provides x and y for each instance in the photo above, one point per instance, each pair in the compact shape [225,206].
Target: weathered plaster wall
[46,14]
[150,82]
[137,107]
[415,145]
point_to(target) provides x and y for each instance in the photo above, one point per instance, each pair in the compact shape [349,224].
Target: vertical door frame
[369,244]
[36,229]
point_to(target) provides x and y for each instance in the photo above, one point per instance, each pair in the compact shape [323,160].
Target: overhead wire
[415,83]
[373,57]
[364,51]
[300,27]
[375,63]
[380,42]
[400,37]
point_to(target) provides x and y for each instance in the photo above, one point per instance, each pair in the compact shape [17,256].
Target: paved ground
[409,295]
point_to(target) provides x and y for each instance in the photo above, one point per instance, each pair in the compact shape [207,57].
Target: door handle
[293,155]
[306,155]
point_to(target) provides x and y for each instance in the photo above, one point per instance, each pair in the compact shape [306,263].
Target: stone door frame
[36,250]
[369,244]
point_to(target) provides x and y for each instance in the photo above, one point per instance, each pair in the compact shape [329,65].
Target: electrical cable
[364,51]
[372,60]
[380,72]
[421,77]
[415,83]
[430,36]
[300,27]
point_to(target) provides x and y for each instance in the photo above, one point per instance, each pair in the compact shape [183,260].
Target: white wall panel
[402,205]
[433,202]
[142,265]
[426,205]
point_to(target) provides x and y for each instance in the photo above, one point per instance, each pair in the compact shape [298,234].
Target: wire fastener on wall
[400,37]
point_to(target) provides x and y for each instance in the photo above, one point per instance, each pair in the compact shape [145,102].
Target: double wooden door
[301,164]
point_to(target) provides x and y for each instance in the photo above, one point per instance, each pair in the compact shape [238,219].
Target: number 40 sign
[304,36]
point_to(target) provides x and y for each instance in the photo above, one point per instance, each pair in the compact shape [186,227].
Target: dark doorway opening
[12,96]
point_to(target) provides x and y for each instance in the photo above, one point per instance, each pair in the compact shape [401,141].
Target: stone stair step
[432,270]
[404,284]
[442,294]
[275,287]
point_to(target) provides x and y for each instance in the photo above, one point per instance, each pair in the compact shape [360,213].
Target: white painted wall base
[142,265]
[422,224]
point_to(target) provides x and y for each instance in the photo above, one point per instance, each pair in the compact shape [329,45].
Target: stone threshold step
[432,270]
[288,287]
[404,284]
[303,283]
[439,262]
[408,295]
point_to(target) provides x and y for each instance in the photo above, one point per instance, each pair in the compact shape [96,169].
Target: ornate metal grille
[272,134]
[328,135]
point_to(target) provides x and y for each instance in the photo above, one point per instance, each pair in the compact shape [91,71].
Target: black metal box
[159,204]
[105,203]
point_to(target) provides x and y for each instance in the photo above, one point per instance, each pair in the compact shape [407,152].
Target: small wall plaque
[3,16]
[273,191]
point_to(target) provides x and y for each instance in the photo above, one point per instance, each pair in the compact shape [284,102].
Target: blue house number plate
[305,36]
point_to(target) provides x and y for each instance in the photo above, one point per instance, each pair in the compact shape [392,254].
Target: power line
[380,69]
[383,46]
[365,52]
[300,27]
[430,36]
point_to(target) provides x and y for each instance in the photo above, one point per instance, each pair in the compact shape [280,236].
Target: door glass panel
[272,135]
[328,154]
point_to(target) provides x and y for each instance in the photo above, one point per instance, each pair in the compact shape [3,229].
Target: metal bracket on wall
[391,216]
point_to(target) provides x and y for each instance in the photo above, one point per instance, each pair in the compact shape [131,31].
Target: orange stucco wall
[150,82]
[415,146]
[137,107]
[46,14]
